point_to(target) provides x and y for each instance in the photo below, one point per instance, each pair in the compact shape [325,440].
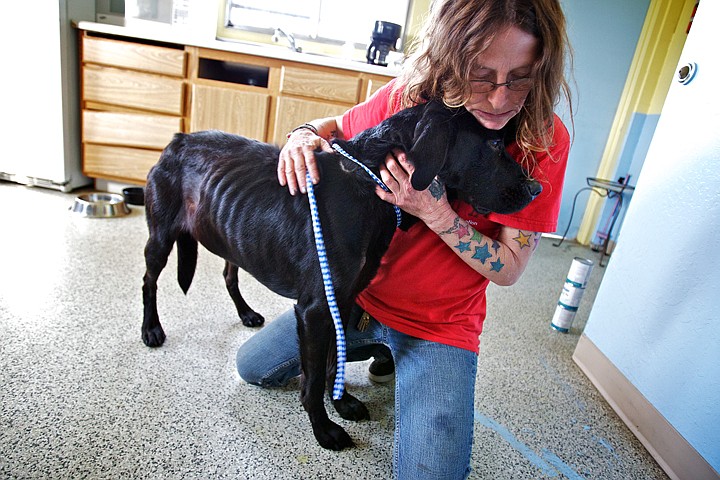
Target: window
[331,21]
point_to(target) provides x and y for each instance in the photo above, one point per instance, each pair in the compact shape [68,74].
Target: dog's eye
[496,143]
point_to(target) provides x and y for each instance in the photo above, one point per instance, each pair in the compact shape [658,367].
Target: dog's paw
[350,408]
[153,337]
[252,319]
[330,435]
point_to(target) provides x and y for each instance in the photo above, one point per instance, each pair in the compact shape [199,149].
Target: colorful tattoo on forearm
[484,249]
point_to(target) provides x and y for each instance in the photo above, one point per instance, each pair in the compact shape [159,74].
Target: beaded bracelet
[305,126]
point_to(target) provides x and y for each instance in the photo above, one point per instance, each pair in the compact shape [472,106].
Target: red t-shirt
[423,288]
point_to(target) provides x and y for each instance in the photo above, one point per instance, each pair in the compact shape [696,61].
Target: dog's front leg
[315,332]
[349,407]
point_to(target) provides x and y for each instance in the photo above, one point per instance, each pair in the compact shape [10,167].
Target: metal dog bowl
[100,205]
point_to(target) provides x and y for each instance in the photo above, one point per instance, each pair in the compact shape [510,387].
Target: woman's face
[510,56]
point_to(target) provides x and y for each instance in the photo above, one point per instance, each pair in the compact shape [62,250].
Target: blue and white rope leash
[339,386]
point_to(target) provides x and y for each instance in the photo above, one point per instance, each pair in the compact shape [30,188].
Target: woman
[503,60]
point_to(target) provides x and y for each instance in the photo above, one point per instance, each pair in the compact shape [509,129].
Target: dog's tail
[187,251]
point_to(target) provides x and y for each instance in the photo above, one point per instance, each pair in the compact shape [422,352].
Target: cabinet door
[292,112]
[229,110]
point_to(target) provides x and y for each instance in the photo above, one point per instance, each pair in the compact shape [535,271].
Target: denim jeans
[434,390]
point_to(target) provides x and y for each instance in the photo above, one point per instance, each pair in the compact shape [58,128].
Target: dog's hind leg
[249,317]
[157,251]
[315,334]
[350,408]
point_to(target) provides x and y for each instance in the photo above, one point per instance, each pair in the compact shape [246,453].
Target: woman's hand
[298,157]
[430,205]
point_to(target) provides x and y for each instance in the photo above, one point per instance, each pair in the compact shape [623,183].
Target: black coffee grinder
[384,37]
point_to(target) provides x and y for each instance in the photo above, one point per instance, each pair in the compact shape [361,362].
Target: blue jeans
[434,390]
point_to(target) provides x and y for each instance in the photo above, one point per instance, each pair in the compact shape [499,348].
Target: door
[660,290]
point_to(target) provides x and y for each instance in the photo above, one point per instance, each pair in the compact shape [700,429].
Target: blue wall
[656,314]
[604,36]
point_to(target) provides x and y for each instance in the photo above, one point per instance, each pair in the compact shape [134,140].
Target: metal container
[571,294]
[100,205]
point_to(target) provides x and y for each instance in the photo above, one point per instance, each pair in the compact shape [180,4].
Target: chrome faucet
[289,36]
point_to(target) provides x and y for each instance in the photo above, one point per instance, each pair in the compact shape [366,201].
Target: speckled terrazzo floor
[82,397]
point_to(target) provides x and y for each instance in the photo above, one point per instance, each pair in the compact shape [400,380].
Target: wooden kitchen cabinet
[134,55]
[292,112]
[139,130]
[143,91]
[320,84]
[309,93]
[229,110]
[136,94]
[133,102]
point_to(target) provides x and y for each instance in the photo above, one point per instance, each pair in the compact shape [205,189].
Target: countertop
[181,35]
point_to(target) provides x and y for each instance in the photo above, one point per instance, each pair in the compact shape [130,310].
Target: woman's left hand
[430,205]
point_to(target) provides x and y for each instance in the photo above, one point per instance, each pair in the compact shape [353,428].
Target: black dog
[221,190]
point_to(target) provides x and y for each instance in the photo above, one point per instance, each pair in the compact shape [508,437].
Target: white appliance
[41,108]
[110,11]
[129,12]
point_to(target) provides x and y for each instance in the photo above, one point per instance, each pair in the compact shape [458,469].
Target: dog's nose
[534,188]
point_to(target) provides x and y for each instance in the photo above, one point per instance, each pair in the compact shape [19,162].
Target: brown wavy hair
[457,31]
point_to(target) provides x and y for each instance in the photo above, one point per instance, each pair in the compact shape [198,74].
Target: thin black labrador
[221,190]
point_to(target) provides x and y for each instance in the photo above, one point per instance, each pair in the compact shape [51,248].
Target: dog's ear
[431,142]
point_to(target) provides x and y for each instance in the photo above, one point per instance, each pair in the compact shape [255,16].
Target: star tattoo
[462,230]
[463,246]
[523,239]
[482,253]
[496,266]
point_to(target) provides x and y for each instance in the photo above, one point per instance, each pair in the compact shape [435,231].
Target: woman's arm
[297,156]
[502,260]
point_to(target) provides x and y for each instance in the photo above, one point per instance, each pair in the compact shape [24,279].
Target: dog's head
[470,160]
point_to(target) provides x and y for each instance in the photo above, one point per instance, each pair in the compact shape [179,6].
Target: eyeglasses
[517,85]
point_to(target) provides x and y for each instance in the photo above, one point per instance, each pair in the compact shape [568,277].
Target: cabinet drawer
[229,110]
[150,58]
[121,163]
[132,89]
[129,129]
[320,84]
